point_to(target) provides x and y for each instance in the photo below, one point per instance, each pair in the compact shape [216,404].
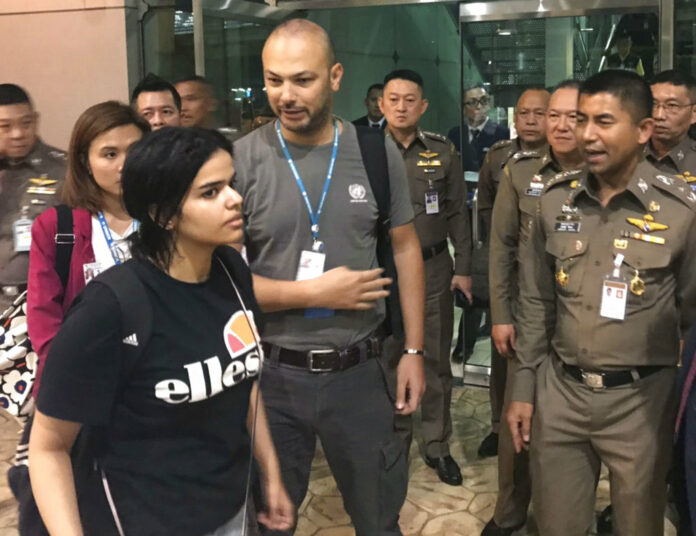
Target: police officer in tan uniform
[438,194]
[607,290]
[670,149]
[31,173]
[530,118]
[520,188]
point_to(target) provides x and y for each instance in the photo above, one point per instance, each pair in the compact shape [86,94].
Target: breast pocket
[426,181]
[568,251]
[646,270]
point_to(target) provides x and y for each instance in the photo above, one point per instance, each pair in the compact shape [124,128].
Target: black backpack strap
[136,310]
[374,156]
[65,240]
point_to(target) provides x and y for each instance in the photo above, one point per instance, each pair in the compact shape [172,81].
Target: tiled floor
[431,509]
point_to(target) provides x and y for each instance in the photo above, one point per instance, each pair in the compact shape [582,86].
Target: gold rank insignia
[43,181]
[647,224]
[654,206]
[562,277]
[637,285]
[620,243]
[428,163]
[574,184]
[428,154]
[44,190]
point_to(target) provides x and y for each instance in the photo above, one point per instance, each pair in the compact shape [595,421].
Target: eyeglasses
[475,103]
[670,107]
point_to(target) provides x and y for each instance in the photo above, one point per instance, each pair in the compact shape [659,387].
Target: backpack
[374,156]
[135,319]
[93,494]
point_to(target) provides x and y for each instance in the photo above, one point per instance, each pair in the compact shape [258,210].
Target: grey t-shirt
[278,225]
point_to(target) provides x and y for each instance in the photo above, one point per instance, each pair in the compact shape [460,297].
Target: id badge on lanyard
[312,262]
[614,293]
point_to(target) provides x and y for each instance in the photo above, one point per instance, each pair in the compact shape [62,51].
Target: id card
[21,235]
[312,266]
[91,270]
[614,295]
[432,205]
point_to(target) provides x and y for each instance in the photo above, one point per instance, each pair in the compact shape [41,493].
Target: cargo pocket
[568,250]
[393,484]
[646,268]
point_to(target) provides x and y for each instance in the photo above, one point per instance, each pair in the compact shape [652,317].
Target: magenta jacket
[47,300]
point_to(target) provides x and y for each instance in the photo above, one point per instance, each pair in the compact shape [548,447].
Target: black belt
[430,252]
[605,380]
[325,360]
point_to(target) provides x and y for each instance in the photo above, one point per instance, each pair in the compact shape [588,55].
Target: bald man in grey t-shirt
[317,278]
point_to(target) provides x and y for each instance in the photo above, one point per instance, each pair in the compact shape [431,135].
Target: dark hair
[193,78]
[156,177]
[374,86]
[677,78]
[13,94]
[630,88]
[154,84]
[477,85]
[569,83]
[80,189]
[405,74]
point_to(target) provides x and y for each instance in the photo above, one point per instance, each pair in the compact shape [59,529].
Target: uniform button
[597,263]
[583,351]
[588,307]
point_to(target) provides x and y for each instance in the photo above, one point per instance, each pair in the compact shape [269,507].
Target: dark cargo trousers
[352,414]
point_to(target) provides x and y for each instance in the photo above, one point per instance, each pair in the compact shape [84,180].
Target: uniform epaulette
[677,187]
[563,176]
[58,155]
[525,155]
[500,144]
[435,136]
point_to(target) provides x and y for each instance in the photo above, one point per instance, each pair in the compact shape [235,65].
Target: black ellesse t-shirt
[176,447]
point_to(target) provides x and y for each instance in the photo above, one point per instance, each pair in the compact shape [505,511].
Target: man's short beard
[316,121]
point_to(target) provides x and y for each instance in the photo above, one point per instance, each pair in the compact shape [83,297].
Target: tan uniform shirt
[679,161]
[432,164]
[496,158]
[522,182]
[21,182]
[570,254]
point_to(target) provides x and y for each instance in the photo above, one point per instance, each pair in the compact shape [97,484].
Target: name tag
[432,205]
[614,295]
[567,227]
[533,192]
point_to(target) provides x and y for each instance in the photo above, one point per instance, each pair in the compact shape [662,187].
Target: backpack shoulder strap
[65,240]
[136,311]
[374,156]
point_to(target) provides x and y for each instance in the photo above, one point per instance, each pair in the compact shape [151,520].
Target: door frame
[539,9]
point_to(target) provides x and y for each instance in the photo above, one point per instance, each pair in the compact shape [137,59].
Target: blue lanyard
[115,253]
[314,217]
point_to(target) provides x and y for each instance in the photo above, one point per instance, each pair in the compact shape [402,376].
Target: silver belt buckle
[310,360]
[593,380]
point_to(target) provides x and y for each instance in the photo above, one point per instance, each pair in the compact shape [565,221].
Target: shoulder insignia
[571,177]
[675,186]
[500,144]
[436,136]
[524,155]
[58,155]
